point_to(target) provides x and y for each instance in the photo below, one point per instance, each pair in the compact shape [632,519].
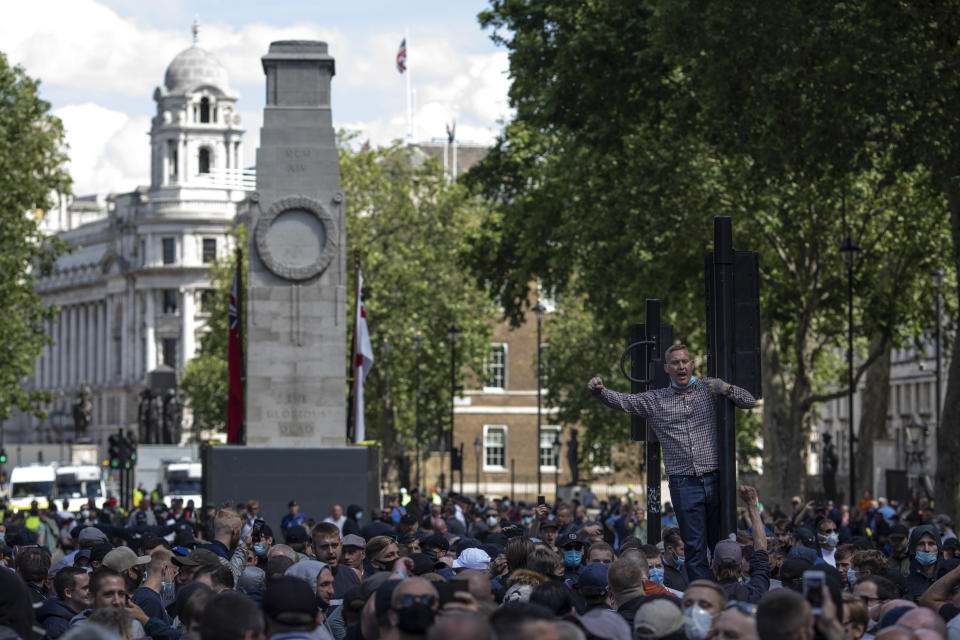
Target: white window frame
[486,430]
[553,430]
[486,363]
[600,469]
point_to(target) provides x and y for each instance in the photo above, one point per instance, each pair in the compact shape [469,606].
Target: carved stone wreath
[288,239]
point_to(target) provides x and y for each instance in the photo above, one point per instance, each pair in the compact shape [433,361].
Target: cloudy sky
[100,60]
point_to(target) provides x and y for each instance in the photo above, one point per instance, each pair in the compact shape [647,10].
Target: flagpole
[408,92]
[243,369]
[354,369]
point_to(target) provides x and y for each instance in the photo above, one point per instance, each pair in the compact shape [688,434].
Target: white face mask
[492,521]
[697,622]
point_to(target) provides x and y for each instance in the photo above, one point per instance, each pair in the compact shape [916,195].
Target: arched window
[205,110]
[204,160]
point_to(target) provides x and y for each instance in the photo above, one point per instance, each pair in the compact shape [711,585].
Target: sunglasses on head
[408,599]
[744,607]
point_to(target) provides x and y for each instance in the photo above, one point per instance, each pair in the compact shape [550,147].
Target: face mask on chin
[415,619]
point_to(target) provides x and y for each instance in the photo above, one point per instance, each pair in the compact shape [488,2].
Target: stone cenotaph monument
[296,295]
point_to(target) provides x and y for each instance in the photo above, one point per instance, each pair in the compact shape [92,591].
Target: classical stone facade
[132,291]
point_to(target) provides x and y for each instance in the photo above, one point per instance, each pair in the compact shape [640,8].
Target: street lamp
[849,251]
[938,275]
[418,340]
[478,451]
[539,309]
[556,467]
[452,332]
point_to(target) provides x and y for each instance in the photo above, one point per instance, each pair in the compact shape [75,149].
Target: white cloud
[109,150]
[93,57]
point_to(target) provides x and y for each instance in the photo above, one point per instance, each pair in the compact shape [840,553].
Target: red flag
[402,56]
[235,362]
[364,361]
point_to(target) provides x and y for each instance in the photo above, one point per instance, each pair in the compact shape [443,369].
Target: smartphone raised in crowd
[541,500]
[813,582]
[257,533]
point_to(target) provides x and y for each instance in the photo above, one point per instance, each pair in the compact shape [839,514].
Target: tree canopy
[32,175]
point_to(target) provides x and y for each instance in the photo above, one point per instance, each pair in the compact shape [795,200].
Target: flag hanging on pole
[235,361]
[364,361]
[402,56]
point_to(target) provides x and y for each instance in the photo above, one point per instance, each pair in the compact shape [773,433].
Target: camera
[813,582]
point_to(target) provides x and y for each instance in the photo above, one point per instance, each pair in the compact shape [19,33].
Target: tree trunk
[785,432]
[388,434]
[874,400]
[947,482]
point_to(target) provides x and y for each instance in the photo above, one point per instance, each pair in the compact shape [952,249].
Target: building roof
[194,68]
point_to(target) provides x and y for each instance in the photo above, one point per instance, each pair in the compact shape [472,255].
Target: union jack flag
[402,56]
[235,361]
[233,315]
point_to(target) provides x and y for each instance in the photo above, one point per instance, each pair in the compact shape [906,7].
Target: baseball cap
[123,558]
[594,575]
[292,503]
[727,550]
[92,533]
[804,535]
[803,552]
[435,541]
[604,624]
[353,540]
[898,531]
[569,540]
[422,563]
[296,534]
[657,618]
[943,519]
[549,524]
[100,551]
[290,601]
[196,558]
[472,559]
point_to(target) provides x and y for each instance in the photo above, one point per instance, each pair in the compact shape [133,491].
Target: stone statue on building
[148,417]
[573,458]
[172,417]
[828,467]
[82,410]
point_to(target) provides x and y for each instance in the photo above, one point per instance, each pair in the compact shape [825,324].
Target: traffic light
[3,456]
[130,454]
[114,450]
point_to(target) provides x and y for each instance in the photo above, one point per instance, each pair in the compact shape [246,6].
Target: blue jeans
[696,502]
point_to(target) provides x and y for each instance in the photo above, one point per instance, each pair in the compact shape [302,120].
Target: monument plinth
[296,294]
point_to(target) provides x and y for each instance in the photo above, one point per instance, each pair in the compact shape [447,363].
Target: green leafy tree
[636,125]
[206,378]
[32,159]
[409,225]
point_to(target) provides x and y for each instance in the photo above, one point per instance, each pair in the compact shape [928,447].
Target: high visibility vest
[405,500]
[436,499]
[33,523]
[137,497]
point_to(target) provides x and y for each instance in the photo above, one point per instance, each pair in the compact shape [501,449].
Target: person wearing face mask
[382,552]
[684,416]
[926,551]
[674,570]
[572,549]
[161,573]
[702,602]
[413,609]
[875,591]
[828,539]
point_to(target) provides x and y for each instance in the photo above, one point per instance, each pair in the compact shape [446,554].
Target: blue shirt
[289,520]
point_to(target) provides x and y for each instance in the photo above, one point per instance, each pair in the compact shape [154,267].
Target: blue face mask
[686,386]
[679,559]
[260,549]
[851,577]
[572,558]
[656,575]
[925,558]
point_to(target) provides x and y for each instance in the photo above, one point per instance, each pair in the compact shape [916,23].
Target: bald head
[461,625]
[283,550]
[414,587]
[479,583]
[923,618]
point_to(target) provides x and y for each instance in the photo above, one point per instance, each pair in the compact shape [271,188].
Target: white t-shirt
[339,523]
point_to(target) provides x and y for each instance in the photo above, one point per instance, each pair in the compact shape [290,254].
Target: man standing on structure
[684,417]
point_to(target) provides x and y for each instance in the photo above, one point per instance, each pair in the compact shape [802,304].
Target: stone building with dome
[133,292]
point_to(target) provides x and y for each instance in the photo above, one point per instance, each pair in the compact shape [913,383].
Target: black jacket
[54,616]
[918,582]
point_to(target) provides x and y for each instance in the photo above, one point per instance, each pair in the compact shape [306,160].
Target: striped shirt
[685,423]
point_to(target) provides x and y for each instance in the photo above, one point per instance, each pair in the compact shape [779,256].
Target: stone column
[126,336]
[109,355]
[137,323]
[71,347]
[91,343]
[187,327]
[150,322]
[104,341]
[296,315]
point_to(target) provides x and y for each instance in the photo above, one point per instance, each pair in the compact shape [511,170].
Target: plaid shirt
[685,423]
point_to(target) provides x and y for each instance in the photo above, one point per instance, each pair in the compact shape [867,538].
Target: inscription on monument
[296,238]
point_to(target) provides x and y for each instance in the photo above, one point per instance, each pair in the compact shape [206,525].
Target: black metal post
[513,478]
[849,250]
[478,450]
[938,278]
[539,309]
[460,453]
[724,352]
[652,446]
[419,342]
[452,332]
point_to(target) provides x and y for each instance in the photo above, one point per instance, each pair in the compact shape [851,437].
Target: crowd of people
[471,568]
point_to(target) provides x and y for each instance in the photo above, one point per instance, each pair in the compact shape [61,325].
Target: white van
[78,483]
[29,483]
